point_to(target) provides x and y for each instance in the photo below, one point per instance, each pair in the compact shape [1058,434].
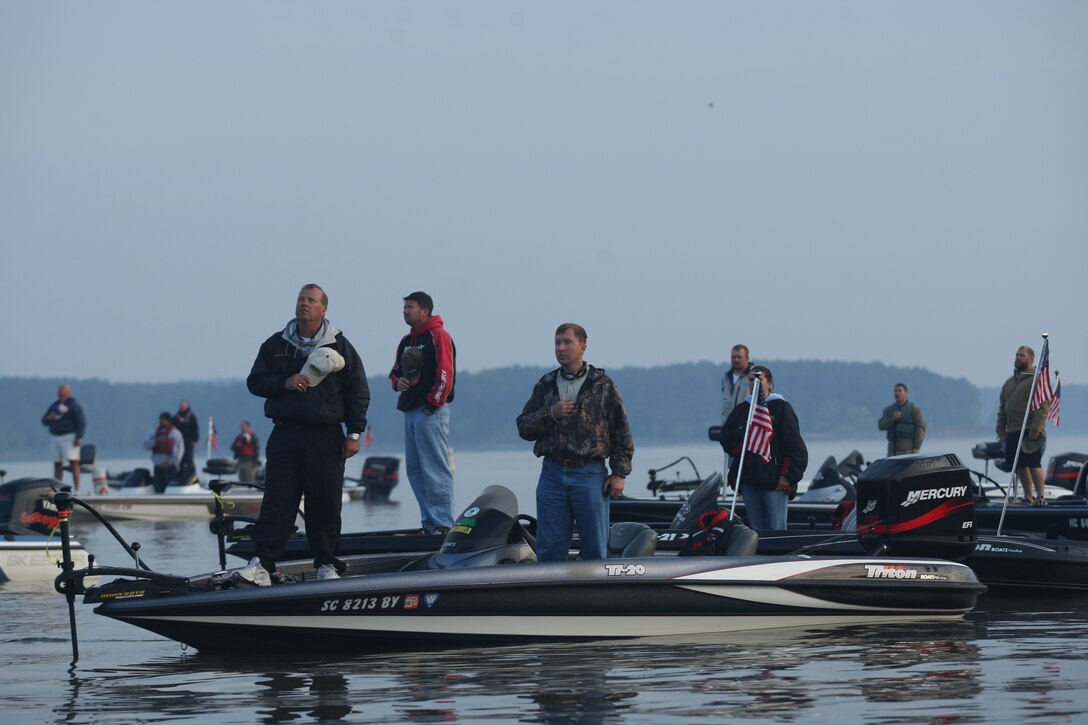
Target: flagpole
[744,443]
[1023,430]
[208,441]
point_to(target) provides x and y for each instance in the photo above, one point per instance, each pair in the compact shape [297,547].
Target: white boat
[134,499]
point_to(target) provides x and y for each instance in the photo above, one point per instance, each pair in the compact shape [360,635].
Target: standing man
[735,380]
[904,422]
[185,421]
[247,451]
[67,424]
[167,451]
[424,373]
[1012,406]
[576,419]
[314,386]
[767,485]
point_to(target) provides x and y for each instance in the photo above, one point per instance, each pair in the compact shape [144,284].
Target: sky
[859,181]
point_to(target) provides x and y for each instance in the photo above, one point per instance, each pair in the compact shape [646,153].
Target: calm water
[1011,660]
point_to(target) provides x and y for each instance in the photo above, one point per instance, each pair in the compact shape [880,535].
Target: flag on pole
[1055,413]
[368,439]
[761,432]
[213,437]
[1043,391]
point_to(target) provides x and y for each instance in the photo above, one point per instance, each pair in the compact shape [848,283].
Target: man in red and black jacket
[424,373]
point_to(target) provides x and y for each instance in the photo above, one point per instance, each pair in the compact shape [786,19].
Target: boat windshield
[487,522]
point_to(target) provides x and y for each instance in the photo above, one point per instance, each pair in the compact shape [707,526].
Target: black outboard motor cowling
[26,506]
[380,476]
[1064,471]
[917,505]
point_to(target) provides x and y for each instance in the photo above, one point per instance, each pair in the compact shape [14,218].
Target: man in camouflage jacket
[576,419]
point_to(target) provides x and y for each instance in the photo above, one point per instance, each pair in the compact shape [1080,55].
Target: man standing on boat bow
[576,419]
[314,386]
[904,422]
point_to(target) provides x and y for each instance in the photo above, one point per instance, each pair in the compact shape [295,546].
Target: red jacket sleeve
[444,372]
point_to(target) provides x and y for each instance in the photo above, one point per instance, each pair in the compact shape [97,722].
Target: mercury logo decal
[929,493]
[889,571]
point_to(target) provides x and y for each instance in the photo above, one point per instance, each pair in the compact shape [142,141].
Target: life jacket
[243,446]
[712,533]
[905,427]
[164,443]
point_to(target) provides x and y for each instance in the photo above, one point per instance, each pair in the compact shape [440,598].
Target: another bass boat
[484,586]
[134,498]
[1065,513]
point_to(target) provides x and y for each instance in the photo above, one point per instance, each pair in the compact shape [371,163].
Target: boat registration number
[360,603]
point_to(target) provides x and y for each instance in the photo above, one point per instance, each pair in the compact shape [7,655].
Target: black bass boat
[483,586]
[1065,515]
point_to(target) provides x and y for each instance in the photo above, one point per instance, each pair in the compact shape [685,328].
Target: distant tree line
[666,405]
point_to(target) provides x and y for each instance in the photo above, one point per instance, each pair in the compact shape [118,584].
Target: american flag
[213,437]
[1055,413]
[1043,392]
[761,433]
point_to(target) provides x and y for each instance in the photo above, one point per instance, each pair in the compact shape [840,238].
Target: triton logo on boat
[624,569]
[889,571]
[928,493]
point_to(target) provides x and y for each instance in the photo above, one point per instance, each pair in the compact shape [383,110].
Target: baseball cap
[411,361]
[322,362]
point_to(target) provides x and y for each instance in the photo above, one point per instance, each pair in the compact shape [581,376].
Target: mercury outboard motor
[1064,471]
[380,476]
[487,532]
[26,506]
[917,505]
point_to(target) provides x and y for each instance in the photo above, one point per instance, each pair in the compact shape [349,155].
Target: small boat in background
[135,499]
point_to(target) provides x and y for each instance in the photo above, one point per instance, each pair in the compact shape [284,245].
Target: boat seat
[741,541]
[631,539]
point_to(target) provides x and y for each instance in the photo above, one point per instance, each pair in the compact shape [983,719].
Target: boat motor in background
[917,505]
[1066,471]
[26,506]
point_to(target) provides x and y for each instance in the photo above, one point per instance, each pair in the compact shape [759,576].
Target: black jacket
[342,397]
[789,455]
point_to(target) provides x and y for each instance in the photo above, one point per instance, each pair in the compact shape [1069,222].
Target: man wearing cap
[314,387]
[67,424]
[423,373]
[167,448]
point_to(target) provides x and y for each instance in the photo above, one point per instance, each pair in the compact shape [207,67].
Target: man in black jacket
[185,421]
[772,468]
[314,385]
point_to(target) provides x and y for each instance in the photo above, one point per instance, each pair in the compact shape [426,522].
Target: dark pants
[187,465]
[301,461]
[163,477]
[1027,460]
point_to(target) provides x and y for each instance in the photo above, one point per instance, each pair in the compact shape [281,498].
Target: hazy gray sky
[900,182]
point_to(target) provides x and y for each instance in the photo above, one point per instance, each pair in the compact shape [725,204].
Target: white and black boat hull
[559,601]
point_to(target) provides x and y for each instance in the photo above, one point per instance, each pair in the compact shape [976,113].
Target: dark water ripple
[1014,660]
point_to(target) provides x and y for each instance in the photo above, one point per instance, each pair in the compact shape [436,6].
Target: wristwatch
[353,436]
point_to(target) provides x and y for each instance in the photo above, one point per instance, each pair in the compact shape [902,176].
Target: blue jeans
[569,497]
[427,462]
[766,509]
